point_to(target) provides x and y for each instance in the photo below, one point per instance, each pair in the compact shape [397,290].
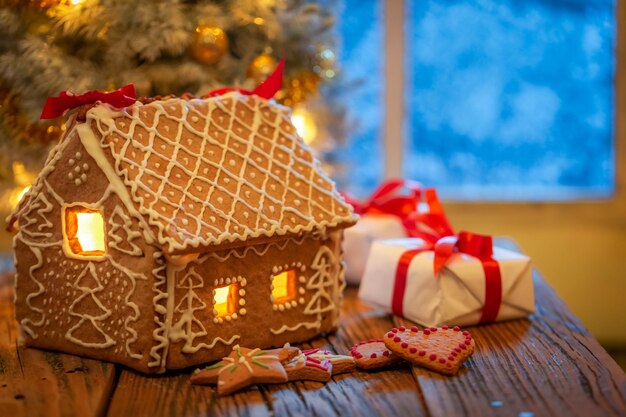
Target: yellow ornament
[209,44]
[261,67]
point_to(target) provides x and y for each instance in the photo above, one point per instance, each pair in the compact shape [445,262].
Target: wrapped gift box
[398,208]
[358,239]
[455,296]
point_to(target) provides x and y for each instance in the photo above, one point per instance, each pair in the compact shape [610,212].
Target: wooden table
[548,365]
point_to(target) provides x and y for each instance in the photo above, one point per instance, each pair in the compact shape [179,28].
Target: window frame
[394,135]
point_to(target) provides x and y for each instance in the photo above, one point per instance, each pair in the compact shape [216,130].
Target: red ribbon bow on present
[267,89]
[57,106]
[481,247]
[478,246]
[429,225]
[385,199]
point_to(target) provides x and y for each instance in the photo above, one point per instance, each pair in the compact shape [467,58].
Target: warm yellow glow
[283,286]
[305,124]
[22,193]
[17,194]
[90,231]
[225,300]
[76,2]
[280,285]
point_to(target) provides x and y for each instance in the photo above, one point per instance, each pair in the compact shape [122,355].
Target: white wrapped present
[400,277]
[358,239]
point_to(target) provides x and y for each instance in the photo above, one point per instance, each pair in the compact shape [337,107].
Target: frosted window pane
[361,58]
[509,99]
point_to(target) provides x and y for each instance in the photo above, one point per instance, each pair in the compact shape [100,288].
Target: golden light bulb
[304,124]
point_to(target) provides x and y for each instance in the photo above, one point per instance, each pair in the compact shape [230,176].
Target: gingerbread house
[162,234]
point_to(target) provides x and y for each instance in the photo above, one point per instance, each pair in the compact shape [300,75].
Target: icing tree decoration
[84,306]
[189,327]
[121,233]
[158,352]
[28,322]
[38,226]
[322,281]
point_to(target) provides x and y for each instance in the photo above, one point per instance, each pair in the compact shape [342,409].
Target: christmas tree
[162,47]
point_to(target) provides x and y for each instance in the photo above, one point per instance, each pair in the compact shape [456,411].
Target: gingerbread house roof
[220,170]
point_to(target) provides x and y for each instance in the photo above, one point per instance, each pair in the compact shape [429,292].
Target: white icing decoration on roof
[296,163]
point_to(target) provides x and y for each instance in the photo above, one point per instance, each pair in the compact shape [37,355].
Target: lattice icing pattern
[210,171]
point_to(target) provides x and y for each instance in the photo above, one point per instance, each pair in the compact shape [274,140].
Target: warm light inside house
[284,286]
[85,231]
[225,300]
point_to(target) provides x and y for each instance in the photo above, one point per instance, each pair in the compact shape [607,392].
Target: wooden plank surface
[548,365]
[40,383]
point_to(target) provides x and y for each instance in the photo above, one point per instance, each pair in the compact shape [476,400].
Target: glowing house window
[84,230]
[284,286]
[226,300]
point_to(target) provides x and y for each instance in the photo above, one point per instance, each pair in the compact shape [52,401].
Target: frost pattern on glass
[511,100]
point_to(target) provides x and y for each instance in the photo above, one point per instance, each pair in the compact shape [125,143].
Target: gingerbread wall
[102,308]
[198,335]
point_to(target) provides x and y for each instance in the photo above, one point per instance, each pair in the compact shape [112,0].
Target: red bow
[384,200]
[481,247]
[267,89]
[478,246]
[57,106]
[430,225]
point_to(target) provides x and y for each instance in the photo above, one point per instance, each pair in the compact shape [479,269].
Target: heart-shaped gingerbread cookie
[441,349]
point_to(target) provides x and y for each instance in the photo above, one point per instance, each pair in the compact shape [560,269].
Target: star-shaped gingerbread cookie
[242,368]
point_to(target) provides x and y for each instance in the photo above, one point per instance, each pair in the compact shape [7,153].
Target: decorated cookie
[285,354]
[440,349]
[242,368]
[373,354]
[306,368]
[341,363]
[208,375]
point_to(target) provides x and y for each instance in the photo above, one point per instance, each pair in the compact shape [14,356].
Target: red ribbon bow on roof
[57,106]
[267,89]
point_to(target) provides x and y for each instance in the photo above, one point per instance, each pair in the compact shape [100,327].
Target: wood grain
[548,365]
[40,383]
[391,392]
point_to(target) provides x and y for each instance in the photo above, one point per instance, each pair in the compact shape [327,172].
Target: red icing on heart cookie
[440,349]
[372,354]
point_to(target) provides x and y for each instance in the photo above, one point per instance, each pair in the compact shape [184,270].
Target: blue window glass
[360,156]
[511,100]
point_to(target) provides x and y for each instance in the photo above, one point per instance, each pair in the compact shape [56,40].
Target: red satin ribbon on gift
[385,199]
[267,89]
[429,226]
[57,106]
[478,246]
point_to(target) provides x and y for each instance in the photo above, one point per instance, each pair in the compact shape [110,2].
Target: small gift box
[459,280]
[388,214]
